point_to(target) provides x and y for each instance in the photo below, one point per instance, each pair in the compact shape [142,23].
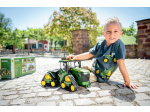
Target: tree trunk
[13,49]
[28,46]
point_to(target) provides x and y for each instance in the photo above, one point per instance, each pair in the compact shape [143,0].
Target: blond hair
[112,20]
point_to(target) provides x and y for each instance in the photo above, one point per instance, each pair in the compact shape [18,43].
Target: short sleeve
[95,48]
[120,51]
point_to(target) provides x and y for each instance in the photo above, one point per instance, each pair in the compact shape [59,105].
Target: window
[40,46]
[33,46]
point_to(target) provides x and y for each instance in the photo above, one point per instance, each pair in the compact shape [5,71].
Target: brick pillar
[80,41]
[143,36]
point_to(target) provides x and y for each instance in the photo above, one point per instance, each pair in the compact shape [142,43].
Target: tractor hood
[80,70]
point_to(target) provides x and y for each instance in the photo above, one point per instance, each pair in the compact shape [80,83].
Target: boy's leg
[89,67]
[93,77]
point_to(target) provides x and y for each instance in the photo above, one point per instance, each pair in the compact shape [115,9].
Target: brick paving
[27,90]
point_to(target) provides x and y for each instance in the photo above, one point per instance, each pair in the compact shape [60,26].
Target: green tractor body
[81,75]
[69,77]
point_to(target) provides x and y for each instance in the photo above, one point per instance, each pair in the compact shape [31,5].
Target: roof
[32,41]
[143,20]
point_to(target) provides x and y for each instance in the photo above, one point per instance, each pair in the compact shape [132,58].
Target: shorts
[89,67]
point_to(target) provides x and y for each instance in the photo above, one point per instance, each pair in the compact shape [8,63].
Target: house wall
[44,42]
[37,46]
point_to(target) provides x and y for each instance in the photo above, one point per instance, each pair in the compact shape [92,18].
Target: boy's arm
[83,56]
[123,70]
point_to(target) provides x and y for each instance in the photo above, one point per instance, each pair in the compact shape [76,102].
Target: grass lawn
[126,40]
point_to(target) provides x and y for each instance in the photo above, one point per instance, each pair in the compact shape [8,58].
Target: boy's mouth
[111,38]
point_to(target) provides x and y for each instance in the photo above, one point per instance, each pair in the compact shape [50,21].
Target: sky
[36,17]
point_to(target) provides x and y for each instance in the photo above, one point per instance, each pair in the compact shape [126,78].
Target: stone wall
[143,40]
[131,51]
[80,41]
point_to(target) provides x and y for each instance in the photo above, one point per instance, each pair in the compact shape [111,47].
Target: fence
[53,52]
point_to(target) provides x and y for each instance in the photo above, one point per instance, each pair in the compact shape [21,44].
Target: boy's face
[112,33]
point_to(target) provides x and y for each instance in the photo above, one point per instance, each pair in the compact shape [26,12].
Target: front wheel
[43,83]
[63,85]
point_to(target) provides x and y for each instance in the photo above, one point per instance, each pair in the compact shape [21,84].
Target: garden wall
[131,51]
[80,41]
[143,40]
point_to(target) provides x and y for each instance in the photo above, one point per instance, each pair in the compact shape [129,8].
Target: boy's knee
[93,78]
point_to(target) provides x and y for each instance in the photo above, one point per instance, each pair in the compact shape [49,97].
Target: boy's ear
[121,32]
[103,33]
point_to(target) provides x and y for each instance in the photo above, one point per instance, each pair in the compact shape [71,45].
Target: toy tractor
[68,77]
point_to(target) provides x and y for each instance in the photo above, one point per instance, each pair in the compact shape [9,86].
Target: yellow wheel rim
[72,88]
[115,60]
[43,83]
[105,60]
[102,76]
[107,77]
[67,79]
[109,73]
[63,85]
[97,71]
[53,83]
[47,77]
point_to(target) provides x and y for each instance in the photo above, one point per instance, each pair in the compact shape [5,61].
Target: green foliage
[5,23]
[5,28]
[61,24]
[129,31]
[60,42]
[100,30]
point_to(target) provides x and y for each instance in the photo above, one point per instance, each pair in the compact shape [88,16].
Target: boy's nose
[112,33]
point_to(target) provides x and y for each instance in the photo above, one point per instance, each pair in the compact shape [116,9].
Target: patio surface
[27,90]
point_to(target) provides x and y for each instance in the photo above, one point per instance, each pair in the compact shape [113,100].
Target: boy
[110,54]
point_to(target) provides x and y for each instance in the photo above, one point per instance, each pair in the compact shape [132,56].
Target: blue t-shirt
[106,58]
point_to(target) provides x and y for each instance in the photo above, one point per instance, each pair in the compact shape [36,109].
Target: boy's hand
[71,57]
[131,85]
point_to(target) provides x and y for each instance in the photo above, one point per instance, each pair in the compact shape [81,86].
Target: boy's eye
[116,31]
[108,31]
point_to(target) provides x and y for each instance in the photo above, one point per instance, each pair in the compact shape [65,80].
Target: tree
[5,23]
[131,31]
[5,28]
[100,30]
[61,24]
[16,39]
[29,33]
[42,36]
